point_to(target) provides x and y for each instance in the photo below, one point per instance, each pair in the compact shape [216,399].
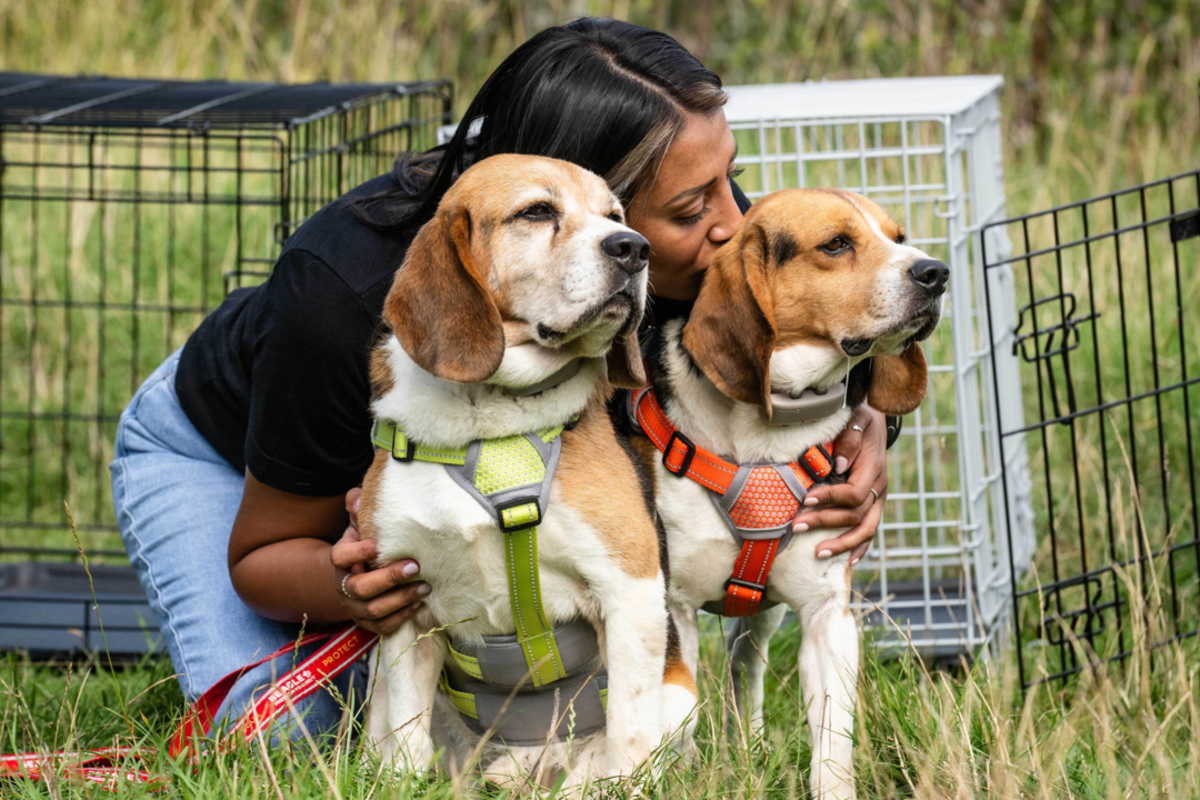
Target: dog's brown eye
[837,244]
[615,216]
[538,212]
[901,238]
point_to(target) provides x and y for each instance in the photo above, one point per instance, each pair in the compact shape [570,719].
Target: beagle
[516,310]
[815,305]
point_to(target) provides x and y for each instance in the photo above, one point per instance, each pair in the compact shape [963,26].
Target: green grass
[1099,95]
[959,733]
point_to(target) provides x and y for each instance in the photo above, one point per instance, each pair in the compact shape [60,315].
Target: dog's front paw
[417,754]
[405,755]
[586,768]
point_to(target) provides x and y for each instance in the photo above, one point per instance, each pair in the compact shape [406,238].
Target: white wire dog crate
[927,150]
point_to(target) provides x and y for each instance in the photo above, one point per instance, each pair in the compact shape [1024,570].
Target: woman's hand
[380,600]
[858,503]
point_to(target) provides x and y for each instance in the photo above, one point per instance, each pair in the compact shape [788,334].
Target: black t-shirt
[276,378]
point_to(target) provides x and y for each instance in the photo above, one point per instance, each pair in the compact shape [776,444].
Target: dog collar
[811,405]
[757,501]
[568,371]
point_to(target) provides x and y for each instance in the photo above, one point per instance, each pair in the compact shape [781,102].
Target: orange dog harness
[757,501]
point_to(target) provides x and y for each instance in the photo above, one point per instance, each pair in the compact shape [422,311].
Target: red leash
[112,765]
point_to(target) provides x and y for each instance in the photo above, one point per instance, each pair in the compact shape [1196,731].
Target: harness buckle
[757,587]
[514,522]
[410,449]
[688,455]
[812,473]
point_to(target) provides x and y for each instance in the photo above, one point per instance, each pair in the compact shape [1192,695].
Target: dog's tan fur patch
[593,472]
[368,504]
[677,672]
[382,380]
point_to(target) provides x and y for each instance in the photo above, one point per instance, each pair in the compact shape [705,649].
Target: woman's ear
[440,307]
[731,331]
[625,369]
[898,383]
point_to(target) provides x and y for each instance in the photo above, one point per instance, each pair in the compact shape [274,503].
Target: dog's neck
[442,413]
[735,430]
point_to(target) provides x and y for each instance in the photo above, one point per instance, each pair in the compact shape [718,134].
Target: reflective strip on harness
[534,631]
[466,663]
[463,701]
[391,438]
[757,501]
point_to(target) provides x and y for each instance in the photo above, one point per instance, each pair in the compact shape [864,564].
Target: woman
[235,463]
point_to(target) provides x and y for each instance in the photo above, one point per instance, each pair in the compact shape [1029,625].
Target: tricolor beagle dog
[513,316]
[814,306]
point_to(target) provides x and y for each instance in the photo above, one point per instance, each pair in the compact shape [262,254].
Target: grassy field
[1099,95]
[961,733]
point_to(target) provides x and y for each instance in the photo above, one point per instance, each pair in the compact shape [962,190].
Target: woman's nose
[726,217]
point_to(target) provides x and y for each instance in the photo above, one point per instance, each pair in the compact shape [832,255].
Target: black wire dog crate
[1108,344]
[128,209]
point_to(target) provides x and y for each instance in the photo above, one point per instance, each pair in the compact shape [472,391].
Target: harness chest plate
[757,501]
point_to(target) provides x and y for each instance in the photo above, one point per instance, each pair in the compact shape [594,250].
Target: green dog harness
[522,687]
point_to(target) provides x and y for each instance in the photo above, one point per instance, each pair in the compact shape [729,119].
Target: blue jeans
[176,500]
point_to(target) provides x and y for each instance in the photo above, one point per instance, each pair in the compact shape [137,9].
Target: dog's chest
[419,512]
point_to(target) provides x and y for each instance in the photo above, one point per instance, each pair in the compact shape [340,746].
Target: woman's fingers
[851,494]
[374,596]
[371,584]
[860,551]
[390,623]
[869,471]
[854,495]
[848,444]
[351,551]
[833,517]
[389,602]
[352,498]
[863,519]
[857,539]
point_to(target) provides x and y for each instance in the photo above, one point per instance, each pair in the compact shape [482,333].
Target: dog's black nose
[630,250]
[931,275]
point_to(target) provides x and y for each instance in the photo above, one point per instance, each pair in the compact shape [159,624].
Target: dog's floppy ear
[625,368]
[898,383]
[440,307]
[731,331]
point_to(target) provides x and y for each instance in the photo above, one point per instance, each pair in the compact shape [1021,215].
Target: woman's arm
[285,566]
[852,504]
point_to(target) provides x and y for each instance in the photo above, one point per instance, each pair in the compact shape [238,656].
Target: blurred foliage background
[1104,91]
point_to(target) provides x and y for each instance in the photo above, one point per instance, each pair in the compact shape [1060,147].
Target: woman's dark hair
[604,94]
